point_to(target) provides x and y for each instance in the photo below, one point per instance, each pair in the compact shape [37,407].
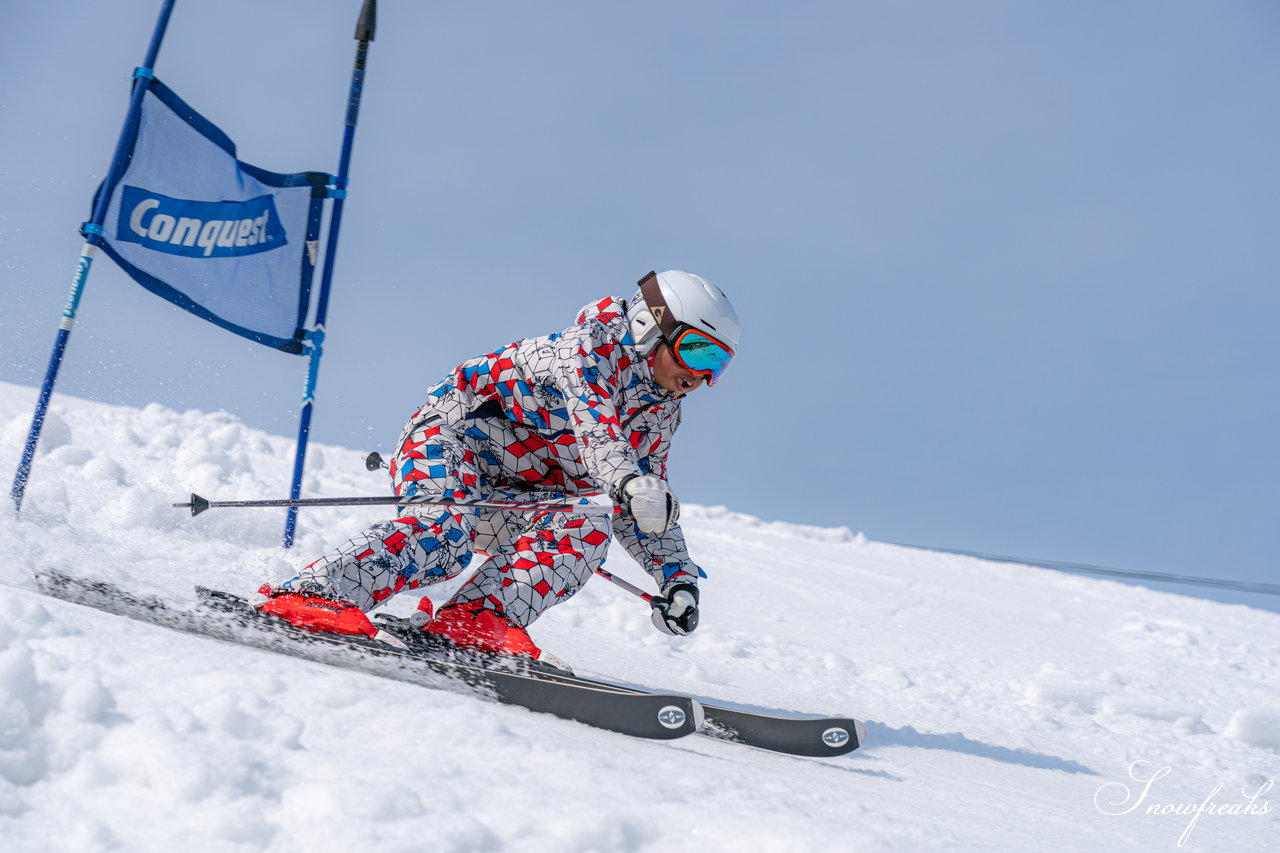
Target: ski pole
[629,587]
[198,504]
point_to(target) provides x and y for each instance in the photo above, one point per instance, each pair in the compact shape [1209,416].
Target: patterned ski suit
[565,414]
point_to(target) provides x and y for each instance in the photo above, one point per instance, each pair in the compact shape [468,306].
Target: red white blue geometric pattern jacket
[568,413]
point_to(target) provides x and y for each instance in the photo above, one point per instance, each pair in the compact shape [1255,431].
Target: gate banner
[227,241]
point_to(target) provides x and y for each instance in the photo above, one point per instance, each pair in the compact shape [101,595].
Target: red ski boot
[470,627]
[320,615]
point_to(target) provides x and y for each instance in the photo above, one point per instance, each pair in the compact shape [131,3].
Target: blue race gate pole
[92,231]
[365,28]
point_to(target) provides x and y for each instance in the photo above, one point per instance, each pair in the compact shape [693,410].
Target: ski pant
[536,559]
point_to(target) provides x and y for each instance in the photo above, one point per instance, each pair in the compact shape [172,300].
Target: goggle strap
[652,294]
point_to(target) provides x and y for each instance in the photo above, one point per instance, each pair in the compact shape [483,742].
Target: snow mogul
[591,409]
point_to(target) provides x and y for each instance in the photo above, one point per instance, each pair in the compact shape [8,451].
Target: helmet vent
[710,326]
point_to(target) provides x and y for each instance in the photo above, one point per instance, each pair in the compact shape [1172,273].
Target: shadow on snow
[880,735]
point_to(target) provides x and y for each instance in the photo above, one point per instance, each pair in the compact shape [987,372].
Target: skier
[589,409]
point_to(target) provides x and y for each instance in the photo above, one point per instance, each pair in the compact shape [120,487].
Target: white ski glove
[649,500]
[675,612]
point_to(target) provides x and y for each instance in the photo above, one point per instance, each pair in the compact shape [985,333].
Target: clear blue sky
[1007,270]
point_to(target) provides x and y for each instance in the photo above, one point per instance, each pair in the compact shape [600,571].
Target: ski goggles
[695,350]
[699,353]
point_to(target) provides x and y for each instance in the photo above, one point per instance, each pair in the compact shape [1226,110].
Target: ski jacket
[570,412]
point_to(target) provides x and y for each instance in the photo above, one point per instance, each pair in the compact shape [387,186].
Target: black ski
[807,735]
[228,617]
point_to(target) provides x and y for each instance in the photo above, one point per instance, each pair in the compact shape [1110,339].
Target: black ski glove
[675,612]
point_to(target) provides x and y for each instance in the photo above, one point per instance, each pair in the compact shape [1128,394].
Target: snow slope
[1005,705]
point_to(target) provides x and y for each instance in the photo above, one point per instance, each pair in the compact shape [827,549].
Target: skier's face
[668,373]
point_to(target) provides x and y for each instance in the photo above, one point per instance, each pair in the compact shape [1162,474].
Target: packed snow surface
[1007,707]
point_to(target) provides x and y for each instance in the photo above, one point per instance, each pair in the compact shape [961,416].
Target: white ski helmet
[692,301]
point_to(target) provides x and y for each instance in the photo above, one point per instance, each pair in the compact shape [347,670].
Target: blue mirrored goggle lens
[702,353]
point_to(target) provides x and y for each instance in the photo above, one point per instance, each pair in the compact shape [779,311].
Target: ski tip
[699,715]
[860,731]
[198,504]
